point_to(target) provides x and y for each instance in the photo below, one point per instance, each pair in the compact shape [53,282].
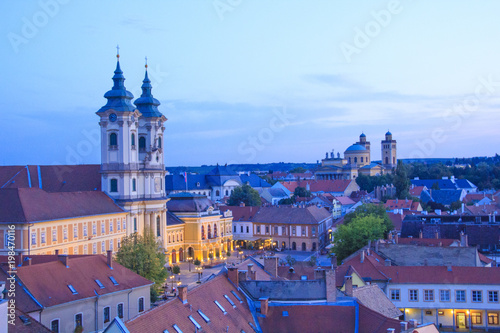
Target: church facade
[357,160]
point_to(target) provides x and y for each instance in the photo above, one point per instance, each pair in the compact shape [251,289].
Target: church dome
[355,148]
[362,135]
[388,133]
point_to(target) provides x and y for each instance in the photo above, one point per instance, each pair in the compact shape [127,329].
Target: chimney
[28,262]
[333,261]
[242,276]
[110,258]
[56,252]
[232,275]
[348,286]
[271,265]
[448,266]
[64,259]
[387,262]
[319,274]
[436,234]
[264,305]
[391,330]
[389,236]
[331,286]
[183,293]
[249,276]
[420,234]
[413,323]
[362,259]
[21,259]
[242,204]
[404,325]
[463,240]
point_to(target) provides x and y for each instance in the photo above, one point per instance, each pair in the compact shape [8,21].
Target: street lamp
[171,277]
[199,270]
[189,259]
[240,255]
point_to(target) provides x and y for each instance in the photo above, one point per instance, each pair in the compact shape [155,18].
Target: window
[159,142]
[227,193]
[94,229]
[492,296]
[113,185]
[428,295]
[103,228]
[78,320]
[111,245]
[103,247]
[72,289]
[54,235]
[119,310]
[110,226]
[195,323]
[220,307]
[113,280]
[75,250]
[85,231]
[118,225]
[493,318]
[142,143]
[118,242]
[294,231]
[275,230]
[113,140]
[132,140]
[99,283]
[234,228]
[395,295]
[85,249]
[477,296]
[283,230]
[248,230]
[158,227]
[313,231]
[106,314]
[413,295]
[355,160]
[217,193]
[202,232]
[303,229]
[124,224]
[267,229]
[209,232]
[444,295]
[65,233]
[258,229]
[135,223]
[204,316]
[94,248]
[134,185]
[75,231]
[42,236]
[476,318]
[54,325]
[141,304]
[361,159]
[33,238]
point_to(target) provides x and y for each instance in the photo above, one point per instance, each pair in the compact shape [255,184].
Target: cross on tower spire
[118,51]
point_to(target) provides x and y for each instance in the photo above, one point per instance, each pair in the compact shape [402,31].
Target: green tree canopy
[353,236]
[371,209]
[298,170]
[301,192]
[246,194]
[401,181]
[143,255]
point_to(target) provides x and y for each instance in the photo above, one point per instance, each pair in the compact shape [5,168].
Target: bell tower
[389,156]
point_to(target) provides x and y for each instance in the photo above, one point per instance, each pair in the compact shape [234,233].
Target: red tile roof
[33,205]
[322,318]
[201,298]
[345,200]
[81,274]
[299,269]
[52,178]
[417,190]
[397,220]
[32,326]
[475,197]
[483,209]
[308,215]
[370,267]
[319,185]
[241,213]
[427,241]
[441,275]
[398,204]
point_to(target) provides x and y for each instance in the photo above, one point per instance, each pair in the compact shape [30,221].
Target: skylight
[236,295]
[195,323]
[285,313]
[176,328]
[99,283]
[72,289]
[113,280]
[230,301]
[204,316]
[165,331]
[220,307]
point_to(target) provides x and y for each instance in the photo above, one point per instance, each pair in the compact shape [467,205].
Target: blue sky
[253,81]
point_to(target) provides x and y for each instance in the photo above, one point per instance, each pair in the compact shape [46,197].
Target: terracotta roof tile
[319,185]
[441,274]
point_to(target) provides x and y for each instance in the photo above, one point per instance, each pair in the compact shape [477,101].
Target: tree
[401,181]
[290,260]
[298,170]
[353,236]
[197,262]
[143,255]
[176,270]
[312,261]
[245,194]
[371,209]
[301,192]
[287,201]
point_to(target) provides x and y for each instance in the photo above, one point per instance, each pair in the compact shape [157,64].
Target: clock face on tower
[112,117]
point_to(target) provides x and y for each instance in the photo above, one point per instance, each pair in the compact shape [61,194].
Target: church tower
[132,167]
[389,156]
[366,144]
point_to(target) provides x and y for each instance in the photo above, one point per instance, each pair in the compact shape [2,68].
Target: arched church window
[113,185]
[227,193]
[215,230]
[132,140]
[355,160]
[142,143]
[386,160]
[113,139]
[202,232]
[209,232]
[349,160]
[217,193]
[134,185]
[159,142]
[361,159]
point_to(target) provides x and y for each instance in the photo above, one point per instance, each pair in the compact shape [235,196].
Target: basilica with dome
[357,160]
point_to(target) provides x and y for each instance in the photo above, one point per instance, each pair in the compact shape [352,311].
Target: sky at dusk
[255,81]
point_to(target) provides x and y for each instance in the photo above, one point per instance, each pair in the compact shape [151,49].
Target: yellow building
[202,229]
[40,222]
